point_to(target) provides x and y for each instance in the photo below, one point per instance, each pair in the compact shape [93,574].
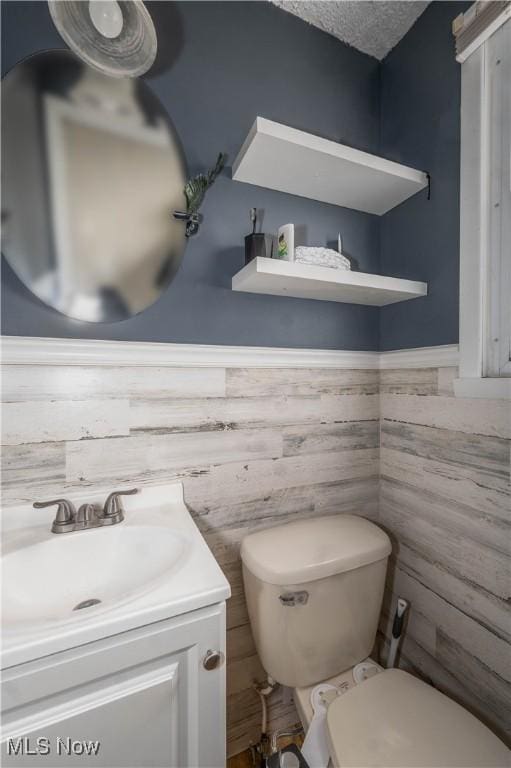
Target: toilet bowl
[394,719]
[314,590]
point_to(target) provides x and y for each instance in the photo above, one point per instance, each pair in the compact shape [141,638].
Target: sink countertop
[197,583]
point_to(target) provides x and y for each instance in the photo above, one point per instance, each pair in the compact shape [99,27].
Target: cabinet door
[139,700]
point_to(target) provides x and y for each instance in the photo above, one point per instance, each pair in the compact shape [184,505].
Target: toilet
[314,591]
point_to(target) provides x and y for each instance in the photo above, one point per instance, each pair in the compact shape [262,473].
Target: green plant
[196,188]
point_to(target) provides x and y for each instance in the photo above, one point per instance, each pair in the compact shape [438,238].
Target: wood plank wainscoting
[257,445]
[253,447]
[445,499]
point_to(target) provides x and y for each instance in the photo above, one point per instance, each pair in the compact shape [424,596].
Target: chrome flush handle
[65,517]
[290,599]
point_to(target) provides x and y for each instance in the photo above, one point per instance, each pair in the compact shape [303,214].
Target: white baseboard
[21,350]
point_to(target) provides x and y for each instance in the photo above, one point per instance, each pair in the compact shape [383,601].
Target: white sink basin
[153,566]
[45,582]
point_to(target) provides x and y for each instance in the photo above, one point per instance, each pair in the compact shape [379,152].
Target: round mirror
[92,171]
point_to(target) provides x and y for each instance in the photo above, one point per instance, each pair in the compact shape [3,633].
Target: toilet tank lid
[312,549]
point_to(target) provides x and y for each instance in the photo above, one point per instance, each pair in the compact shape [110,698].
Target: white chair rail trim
[21,350]
[443,356]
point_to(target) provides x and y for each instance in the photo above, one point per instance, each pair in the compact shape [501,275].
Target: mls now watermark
[45,746]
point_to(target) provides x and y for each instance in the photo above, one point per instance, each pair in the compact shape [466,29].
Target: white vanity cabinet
[145,695]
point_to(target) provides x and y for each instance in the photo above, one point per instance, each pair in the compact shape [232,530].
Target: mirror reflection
[92,172]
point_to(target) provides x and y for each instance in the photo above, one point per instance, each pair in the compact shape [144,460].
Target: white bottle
[286,242]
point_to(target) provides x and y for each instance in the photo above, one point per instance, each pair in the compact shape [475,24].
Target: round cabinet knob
[213,660]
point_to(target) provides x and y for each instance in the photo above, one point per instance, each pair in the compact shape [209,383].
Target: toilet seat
[394,719]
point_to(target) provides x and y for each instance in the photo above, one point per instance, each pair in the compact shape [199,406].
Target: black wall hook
[195,191]
[193,221]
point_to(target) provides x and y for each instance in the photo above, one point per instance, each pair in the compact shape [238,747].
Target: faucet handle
[65,517]
[113,505]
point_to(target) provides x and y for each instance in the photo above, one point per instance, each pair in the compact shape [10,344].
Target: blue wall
[420,126]
[221,64]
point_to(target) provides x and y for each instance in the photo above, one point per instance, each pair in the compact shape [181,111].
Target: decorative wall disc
[117,38]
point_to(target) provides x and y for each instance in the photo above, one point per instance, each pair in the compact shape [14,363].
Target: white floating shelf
[302,281]
[282,158]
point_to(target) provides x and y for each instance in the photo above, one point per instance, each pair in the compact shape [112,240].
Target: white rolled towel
[321,257]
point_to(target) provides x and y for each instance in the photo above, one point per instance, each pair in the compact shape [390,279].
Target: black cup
[258,244]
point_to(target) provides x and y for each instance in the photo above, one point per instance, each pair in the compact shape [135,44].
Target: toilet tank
[314,590]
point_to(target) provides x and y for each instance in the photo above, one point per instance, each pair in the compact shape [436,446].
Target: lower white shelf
[303,281]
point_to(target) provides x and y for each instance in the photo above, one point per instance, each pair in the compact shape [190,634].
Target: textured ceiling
[371,27]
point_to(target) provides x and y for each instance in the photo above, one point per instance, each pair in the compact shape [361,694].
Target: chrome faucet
[68,519]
